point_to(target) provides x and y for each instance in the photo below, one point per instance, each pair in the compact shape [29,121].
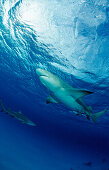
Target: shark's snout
[31,123]
[41,72]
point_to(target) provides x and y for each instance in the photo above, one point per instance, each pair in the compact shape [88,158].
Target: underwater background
[71,40]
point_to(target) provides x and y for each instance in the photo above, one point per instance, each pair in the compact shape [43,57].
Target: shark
[18,115]
[62,92]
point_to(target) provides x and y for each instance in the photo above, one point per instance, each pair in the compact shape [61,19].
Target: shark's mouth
[43,76]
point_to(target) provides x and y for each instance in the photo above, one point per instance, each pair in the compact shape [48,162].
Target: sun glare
[34,14]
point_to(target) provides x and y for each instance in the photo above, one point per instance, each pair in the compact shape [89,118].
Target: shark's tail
[96,115]
[3,109]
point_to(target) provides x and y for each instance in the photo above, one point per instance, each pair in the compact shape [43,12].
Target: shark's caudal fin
[2,106]
[96,115]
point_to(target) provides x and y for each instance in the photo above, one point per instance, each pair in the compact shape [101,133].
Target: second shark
[18,115]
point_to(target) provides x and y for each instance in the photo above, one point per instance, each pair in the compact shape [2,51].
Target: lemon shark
[18,115]
[61,92]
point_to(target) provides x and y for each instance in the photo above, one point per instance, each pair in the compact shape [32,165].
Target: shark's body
[17,115]
[61,92]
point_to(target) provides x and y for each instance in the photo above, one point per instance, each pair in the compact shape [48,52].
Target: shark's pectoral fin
[77,93]
[50,99]
[19,112]
[22,122]
[77,113]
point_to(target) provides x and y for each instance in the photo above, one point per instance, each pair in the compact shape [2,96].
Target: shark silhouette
[61,92]
[18,115]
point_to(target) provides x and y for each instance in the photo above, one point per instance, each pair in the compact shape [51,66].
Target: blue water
[71,40]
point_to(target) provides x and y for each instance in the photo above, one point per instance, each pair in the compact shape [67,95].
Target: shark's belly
[72,104]
[69,102]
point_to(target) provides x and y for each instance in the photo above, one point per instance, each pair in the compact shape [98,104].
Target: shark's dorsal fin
[50,99]
[19,112]
[77,93]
